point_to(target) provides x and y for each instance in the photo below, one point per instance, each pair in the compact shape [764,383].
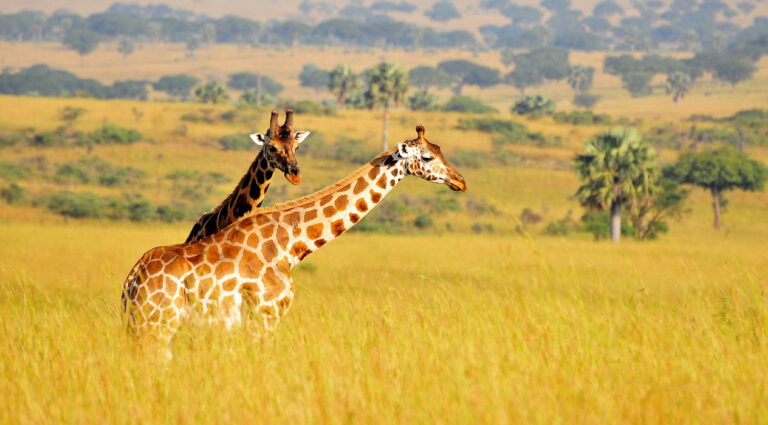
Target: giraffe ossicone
[278,152]
[243,272]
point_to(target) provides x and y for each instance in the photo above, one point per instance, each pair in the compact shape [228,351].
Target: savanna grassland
[440,326]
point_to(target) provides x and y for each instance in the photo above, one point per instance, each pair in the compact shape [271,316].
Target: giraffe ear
[402,150]
[258,138]
[300,136]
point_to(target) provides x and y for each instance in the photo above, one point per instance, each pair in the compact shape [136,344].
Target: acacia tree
[81,40]
[618,168]
[212,92]
[125,47]
[580,77]
[387,84]
[342,81]
[678,84]
[719,170]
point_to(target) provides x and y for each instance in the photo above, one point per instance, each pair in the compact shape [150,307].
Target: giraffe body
[241,274]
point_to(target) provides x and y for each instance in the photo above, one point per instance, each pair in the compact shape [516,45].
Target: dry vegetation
[441,327]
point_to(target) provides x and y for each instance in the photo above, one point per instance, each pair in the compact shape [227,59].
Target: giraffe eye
[427,158]
[271,148]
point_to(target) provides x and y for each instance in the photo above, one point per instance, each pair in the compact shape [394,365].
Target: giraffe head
[279,145]
[425,160]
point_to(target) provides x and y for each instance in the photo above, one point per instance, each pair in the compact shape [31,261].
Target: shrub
[467,104]
[48,139]
[586,100]
[94,169]
[14,170]
[76,205]
[599,224]
[312,108]
[534,106]
[110,134]
[581,118]
[236,142]
[423,101]
[13,194]
[423,221]
[170,213]
[562,227]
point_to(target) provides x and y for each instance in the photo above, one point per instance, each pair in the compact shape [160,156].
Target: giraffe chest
[233,284]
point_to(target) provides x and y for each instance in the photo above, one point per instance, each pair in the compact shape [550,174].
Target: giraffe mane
[325,191]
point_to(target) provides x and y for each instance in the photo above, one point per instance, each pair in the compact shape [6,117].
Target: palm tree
[619,169]
[387,83]
[342,82]
[678,83]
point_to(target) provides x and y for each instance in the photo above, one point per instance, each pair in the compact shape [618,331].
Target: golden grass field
[436,327]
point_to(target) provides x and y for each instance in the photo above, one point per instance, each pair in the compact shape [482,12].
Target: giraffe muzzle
[457,183]
[293,175]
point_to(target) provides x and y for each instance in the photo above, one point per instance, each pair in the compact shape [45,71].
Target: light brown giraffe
[243,273]
[278,152]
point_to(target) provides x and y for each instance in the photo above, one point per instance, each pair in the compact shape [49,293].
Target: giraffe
[278,152]
[241,274]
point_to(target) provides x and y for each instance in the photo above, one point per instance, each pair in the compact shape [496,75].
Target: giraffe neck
[247,195]
[331,213]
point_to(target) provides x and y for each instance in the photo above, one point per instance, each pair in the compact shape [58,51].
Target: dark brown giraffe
[278,152]
[243,273]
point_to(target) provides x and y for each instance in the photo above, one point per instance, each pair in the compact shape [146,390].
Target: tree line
[686,25]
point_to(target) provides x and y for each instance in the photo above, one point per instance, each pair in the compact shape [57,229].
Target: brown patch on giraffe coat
[373,173]
[267,230]
[325,199]
[229,301]
[230,251]
[283,304]
[344,188]
[382,183]
[246,224]
[361,205]
[218,236]
[192,250]
[291,217]
[154,267]
[203,270]
[269,250]
[167,256]
[215,292]
[229,284]
[337,227]
[341,202]
[170,286]
[310,215]
[224,269]
[261,219]
[237,236]
[154,283]
[156,298]
[360,185]
[196,259]
[300,250]
[354,217]
[329,211]
[275,216]
[253,240]
[314,231]
[273,285]
[213,254]
[392,182]
[250,265]
[282,237]
[179,302]
[375,196]
[320,242]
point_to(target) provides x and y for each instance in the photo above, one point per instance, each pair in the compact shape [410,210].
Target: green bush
[586,100]
[48,139]
[110,134]
[14,170]
[534,106]
[237,142]
[423,221]
[13,194]
[94,169]
[562,227]
[467,104]
[311,108]
[170,213]
[11,139]
[423,101]
[581,118]
[76,205]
